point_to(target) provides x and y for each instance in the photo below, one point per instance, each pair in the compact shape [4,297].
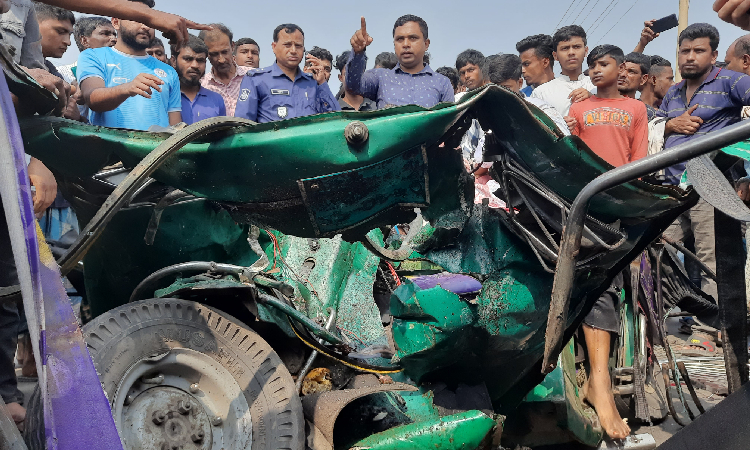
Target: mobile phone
[665,23]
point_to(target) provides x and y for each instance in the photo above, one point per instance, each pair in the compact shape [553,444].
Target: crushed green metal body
[318,196]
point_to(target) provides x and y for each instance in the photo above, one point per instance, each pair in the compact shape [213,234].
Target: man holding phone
[283,91]
[653,28]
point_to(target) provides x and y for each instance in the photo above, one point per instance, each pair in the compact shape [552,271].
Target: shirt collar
[427,69]
[567,78]
[277,72]
[202,92]
[682,85]
[238,73]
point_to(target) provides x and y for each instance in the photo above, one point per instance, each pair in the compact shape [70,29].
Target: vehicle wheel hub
[167,418]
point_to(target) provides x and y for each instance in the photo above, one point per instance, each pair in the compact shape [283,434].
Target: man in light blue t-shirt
[126,88]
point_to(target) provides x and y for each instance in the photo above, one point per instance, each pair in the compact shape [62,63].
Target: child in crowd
[614,127]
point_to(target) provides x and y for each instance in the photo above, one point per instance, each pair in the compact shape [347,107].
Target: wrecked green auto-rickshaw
[230,266]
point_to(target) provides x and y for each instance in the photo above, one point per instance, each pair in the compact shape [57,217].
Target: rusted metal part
[311,359]
[323,409]
[573,229]
[356,133]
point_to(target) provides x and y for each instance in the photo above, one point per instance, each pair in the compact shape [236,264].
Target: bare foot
[18,413]
[598,392]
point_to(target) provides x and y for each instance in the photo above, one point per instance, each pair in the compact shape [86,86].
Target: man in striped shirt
[708,99]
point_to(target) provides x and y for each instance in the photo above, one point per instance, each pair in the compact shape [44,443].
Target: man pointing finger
[411,82]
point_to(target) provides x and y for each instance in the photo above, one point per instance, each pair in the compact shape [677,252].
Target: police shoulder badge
[244,95]
[282,112]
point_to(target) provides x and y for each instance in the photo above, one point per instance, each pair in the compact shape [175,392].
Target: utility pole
[682,19]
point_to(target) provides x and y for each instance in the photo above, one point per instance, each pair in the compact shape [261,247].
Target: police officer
[283,91]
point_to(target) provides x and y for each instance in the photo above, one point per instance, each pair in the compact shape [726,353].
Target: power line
[604,18]
[563,16]
[618,20]
[596,21]
[581,11]
[593,8]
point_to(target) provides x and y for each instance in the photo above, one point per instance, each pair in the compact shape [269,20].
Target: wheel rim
[181,399]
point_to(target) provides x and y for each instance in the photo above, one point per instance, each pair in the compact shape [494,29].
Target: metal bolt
[194,388]
[197,436]
[129,399]
[159,379]
[184,407]
[158,417]
[216,421]
[356,133]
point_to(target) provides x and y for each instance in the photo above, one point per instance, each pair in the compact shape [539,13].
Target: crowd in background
[624,106]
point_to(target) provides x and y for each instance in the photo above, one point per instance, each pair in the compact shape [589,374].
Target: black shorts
[605,314]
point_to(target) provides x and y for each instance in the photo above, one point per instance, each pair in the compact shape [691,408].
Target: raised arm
[647,35]
[175,28]
[365,84]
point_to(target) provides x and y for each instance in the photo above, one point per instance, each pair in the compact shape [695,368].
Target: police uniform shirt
[267,95]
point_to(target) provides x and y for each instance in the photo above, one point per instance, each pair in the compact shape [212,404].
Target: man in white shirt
[572,86]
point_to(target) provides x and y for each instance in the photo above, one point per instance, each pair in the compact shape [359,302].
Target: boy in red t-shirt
[615,127]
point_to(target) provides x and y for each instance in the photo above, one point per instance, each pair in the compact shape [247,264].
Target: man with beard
[283,91]
[125,87]
[198,103]
[708,99]
[633,74]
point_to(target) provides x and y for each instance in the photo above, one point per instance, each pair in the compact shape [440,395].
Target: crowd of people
[623,106]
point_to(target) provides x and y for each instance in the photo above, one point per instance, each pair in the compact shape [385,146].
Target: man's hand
[71,109]
[743,189]
[142,85]
[684,124]
[647,35]
[571,122]
[173,27]
[316,69]
[734,11]
[53,84]
[579,95]
[361,39]
[44,183]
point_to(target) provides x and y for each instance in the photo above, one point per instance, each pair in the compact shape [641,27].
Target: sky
[488,26]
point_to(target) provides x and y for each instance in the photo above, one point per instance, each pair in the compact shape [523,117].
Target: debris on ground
[317,381]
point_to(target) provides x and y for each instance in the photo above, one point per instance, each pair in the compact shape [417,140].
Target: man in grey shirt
[21,36]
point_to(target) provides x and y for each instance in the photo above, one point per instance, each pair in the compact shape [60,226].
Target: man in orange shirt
[615,127]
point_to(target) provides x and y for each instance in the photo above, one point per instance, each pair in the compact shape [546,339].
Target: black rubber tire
[125,335]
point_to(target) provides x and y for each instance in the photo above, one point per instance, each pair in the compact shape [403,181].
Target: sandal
[702,340]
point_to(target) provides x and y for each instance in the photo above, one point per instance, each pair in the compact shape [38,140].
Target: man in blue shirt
[283,91]
[126,88]
[411,82]
[198,103]
[708,99]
